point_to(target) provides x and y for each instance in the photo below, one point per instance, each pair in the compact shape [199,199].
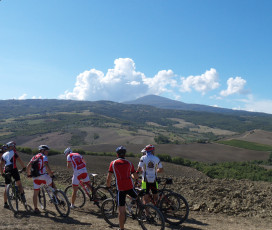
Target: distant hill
[166,103]
[85,123]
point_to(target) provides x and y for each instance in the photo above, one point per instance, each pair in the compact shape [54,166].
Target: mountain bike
[13,195]
[173,206]
[57,197]
[148,216]
[97,194]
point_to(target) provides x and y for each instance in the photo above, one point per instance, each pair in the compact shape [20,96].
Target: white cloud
[252,105]
[23,97]
[122,83]
[203,83]
[235,85]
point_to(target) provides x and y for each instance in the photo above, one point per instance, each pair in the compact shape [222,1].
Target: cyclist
[76,161]
[45,173]
[123,171]
[8,166]
[149,165]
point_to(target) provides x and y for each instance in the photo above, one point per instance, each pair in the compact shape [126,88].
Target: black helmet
[121,150]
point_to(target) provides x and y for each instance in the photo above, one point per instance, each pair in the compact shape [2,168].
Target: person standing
[44,176]
[9,169]
[150,165]
[78,164]
[124,171]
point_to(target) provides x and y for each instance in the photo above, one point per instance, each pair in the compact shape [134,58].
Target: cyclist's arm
[28,169]
[109,176]
[21,162]
[48,169]
[139,169]
[1,166]
[135,175]
[69,164]
[159,170]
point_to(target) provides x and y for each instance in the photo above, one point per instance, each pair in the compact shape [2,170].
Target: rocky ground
[214,204]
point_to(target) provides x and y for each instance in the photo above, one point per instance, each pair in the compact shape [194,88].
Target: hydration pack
[35,171]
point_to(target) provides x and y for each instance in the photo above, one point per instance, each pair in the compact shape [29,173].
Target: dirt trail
[214,204]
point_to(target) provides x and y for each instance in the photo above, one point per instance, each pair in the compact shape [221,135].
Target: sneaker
[72,206]
[6,206]
[37,211]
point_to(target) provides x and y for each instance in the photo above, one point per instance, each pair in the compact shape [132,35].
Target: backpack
[35,171]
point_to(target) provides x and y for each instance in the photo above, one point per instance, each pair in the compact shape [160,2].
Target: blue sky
[208,52]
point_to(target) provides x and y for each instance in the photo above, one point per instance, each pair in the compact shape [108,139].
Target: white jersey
[149,164]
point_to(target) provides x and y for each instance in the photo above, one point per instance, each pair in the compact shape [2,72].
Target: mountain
[165,103]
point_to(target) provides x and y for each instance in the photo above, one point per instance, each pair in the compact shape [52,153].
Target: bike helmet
[44,147]
[4,148]
[67,151]
[11,144]
[149,148]
[121,150]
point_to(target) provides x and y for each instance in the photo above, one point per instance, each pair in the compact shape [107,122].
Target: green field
[247,145]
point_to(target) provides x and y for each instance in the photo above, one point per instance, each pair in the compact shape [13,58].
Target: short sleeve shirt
[77,161]
[42,159]
[9,158]
[122,170]
[149,164]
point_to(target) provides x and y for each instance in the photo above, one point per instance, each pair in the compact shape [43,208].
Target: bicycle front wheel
[61,203]
[42,198]
[80,196]
[12,196]
[101,193]
[150,217]
[109,212]
[174,208]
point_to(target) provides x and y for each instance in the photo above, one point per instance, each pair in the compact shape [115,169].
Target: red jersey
[122,170]
[77,161]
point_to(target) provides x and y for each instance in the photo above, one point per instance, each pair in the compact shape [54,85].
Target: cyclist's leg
[121,202]
[37,182]
[73,199]
[154,190]
[7,182]
[146,198]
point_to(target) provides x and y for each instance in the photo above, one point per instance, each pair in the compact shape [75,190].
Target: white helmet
[44,147]
[67,151]
[143,151]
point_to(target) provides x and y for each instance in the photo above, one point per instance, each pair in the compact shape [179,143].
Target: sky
[209,52]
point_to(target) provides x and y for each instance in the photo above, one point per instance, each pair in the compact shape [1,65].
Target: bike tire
[109,212]
[13,199]
[80,196]
[61,203]
[151,218]
[174,208]
[42,199]
[101,193]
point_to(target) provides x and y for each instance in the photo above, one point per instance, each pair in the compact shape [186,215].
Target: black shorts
[11,173]
[121,196]
[150,186]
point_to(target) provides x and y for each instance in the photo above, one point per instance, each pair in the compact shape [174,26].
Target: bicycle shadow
[184,227]
[49,214]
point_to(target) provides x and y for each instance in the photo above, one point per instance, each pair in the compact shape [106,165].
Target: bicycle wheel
[174,208]
[150,217]
[80,196]
[42,199]
[101,193]
[109,212]
[12,198]
[61,203]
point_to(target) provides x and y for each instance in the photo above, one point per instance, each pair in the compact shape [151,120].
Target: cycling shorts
[121,196]
[40,180]
[150,186]
[80,175]
[13,173]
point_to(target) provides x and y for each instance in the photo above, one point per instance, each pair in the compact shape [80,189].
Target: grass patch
[247,145]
